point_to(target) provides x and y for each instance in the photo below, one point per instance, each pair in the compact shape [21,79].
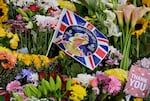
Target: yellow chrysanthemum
[146,2]
[138,99]
[67,4]
[118,73]
[44,60]
[140,27]
[25,58]
[77,93]
[36,61]
[3,11]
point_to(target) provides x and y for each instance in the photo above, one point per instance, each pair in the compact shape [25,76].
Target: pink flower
[127,10]
[19,17]
[12,86]
[94,82]
[25,8]
[138,13]
[114,85]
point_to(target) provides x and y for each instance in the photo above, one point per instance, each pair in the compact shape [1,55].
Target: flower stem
[137,47]
[134,2]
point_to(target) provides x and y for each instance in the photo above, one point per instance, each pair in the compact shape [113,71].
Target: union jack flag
[80,39]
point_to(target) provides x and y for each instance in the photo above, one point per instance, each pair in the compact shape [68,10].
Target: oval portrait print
[79,41]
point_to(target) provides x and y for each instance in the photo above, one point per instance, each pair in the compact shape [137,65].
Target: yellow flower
[146,2]
[13,44]
[44,60]
[3,33]
[3,11]
[140,27]
[67,4]
[89,19]
[137,14]
[138,99]
[9,35]
[61,54]
[5,49]
[77,92]
[36,61]
[118,73]
[14,41]
[25,58]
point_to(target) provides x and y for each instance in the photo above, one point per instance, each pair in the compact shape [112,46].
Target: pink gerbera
[12,86]
[114,85]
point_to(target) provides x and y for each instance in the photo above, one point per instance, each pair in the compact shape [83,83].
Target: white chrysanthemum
[84,79]
[47,4]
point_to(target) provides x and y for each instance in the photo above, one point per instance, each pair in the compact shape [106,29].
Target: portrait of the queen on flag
[80,39]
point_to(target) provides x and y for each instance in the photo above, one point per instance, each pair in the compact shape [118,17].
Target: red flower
[41,74]
[50,9]
[34,7]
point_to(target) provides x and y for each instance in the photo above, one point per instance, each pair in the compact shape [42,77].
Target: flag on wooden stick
[80,39]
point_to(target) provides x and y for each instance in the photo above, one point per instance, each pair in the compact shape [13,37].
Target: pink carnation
[114,85]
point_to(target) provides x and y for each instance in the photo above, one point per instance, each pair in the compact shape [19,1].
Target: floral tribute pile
[30,71]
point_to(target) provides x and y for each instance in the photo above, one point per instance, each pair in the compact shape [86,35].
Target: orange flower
[7,60]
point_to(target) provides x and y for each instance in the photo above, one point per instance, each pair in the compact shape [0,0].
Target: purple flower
[103,78]
[25,74]
[112,62]
[18,25]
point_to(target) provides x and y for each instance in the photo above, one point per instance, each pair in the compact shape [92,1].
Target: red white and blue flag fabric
[80,39]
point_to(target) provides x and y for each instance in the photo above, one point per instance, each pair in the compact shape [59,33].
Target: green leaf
[75,69]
